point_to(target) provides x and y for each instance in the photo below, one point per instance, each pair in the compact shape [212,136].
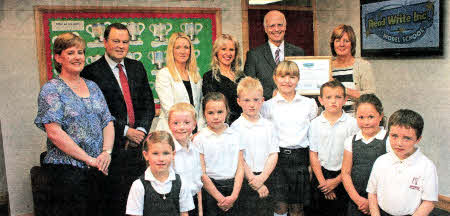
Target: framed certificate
[314,71]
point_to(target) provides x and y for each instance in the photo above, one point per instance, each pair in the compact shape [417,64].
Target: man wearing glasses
[262,60]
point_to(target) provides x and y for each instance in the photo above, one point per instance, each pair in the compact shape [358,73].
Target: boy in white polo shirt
[326,135]
[260,151]
[403,181]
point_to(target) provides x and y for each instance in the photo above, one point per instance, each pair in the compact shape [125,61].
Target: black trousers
[324,207]
[126,166]
[70,191]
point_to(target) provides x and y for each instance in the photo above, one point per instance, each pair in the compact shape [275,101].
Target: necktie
[126,95]
[277,56]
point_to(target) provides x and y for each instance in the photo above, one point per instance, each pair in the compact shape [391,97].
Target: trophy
[134,55]
[157,58]
[97,30]
[91,59]
[135,29]
[160,30]
[191,29]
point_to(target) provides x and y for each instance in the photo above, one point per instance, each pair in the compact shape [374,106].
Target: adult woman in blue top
[75,116]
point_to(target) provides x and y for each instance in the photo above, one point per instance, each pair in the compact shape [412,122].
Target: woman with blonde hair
[225,72]
[180,80]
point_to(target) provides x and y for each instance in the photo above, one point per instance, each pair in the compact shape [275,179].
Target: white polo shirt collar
[380,135]
[208,132]
[343,117]
[280,99]
[148,175]
[407,161]
[248,124]
[179,147]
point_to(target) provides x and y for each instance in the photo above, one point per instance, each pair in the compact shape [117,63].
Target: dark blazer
[260,64]
[141,95]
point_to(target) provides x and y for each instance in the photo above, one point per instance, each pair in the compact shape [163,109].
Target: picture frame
[314,72]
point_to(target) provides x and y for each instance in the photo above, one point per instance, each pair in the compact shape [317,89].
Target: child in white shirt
[291,115]
[159,191]
[260,152]
[326,139]
[221,158]
[403,181]
[182,122]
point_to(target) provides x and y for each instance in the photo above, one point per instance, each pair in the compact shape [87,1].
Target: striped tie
[277,56]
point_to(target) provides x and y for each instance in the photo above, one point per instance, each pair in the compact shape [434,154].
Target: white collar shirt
[187,165]
[258,141]
[220,152]
[401,185]
[348,143]
[328,140]
[291,119]
[113,65]
[135,202]
[274,48]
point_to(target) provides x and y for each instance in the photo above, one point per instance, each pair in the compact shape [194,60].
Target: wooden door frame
[245,29]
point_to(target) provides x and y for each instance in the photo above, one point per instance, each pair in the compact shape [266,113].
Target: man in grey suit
[262,60]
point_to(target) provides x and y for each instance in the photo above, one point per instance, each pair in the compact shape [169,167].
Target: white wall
[420,84]
[19,81]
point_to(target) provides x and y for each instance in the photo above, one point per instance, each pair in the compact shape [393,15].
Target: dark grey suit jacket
[260,64]
[141,95]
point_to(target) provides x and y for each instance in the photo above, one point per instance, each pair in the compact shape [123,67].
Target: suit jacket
[171,92]
[260,64]
[141,95]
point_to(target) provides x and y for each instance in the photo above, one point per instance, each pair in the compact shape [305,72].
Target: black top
[159,204]
[187,85]
[227,87]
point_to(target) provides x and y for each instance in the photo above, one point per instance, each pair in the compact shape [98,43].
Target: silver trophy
[191,29]
[134,55]
[135,29]
[157,58]
[97,30]
[160,30]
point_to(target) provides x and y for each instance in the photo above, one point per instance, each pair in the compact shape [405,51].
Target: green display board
[149,35]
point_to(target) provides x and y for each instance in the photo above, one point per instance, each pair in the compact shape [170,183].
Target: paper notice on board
[60,25]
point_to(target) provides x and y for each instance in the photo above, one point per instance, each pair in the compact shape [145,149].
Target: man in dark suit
[125,86]
[262,60]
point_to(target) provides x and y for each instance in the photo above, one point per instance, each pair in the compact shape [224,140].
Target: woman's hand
[103,161]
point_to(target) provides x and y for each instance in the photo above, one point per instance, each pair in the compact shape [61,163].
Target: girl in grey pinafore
[364,155]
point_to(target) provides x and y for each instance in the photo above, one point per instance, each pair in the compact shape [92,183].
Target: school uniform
[187,165]
[221,155]
[364,154]
[402,185]
[148,196]
[328,141]
[291,122]
[258,140]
